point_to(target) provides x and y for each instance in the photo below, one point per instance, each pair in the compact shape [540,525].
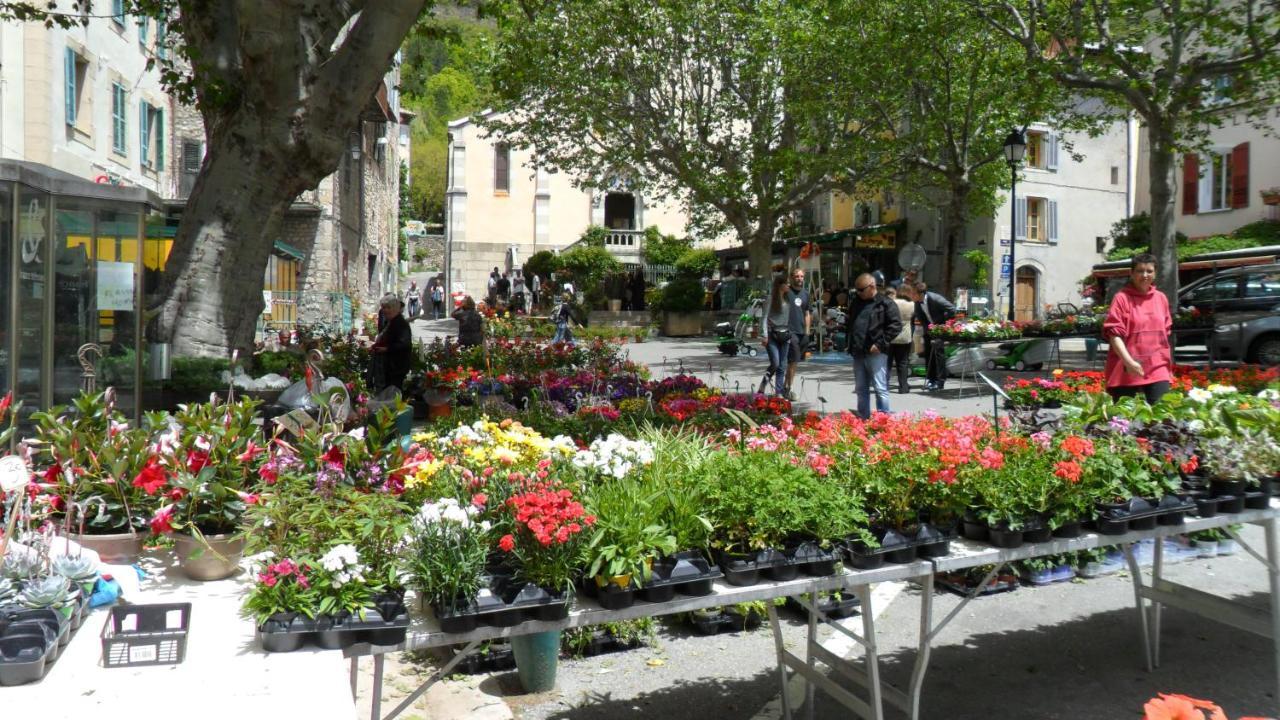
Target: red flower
[268,474]
[196,460]
[336,457]
[249,453]
[53,474]
[1068,470]
[1190,465]
[507,543]
[479,499]
[162,522]
[151,478]
[1078,447]
[5,403]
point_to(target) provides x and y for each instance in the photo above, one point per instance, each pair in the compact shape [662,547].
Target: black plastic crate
[138,635]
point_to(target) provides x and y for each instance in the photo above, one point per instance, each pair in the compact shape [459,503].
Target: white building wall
[32,84]
[541,210]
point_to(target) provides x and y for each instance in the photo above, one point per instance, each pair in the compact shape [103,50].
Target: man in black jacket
[872,323]
[933,309]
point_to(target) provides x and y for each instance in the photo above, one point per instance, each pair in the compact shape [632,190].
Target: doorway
[1024,295]
[620,211]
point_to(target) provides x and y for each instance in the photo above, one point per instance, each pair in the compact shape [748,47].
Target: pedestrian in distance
[1137,329]
[437,300]
[563,317]
[933,309]
[800,322]
[900,346]
[413,300]
[393,346]
[775,329]
[872,324]
[470,323]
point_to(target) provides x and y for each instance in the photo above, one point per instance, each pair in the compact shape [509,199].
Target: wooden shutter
[142,30]
[158,133]
[1053,221]
[1190,184]
[1051,141]
[69,74]
[1020,224]
[144,135]
[1240,176]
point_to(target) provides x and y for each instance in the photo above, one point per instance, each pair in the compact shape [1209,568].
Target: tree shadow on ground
[1086,667]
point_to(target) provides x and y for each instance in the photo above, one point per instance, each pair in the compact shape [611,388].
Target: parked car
[1235,295]
[1256,340]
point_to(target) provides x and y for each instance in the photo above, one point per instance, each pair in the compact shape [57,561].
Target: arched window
[502,168]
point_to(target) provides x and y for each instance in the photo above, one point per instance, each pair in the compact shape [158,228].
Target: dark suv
[1246,306]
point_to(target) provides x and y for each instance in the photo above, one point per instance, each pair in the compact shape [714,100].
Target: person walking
[492,288]
[413,299]
[470,323]
[900,346]
[873,323]
[518,294]
[437,300]
[563,317]
[1137,329]
[933,309]
[799,322]
[775,329]
[535,289]
[393,345]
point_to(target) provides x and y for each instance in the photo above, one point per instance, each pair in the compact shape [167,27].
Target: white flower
[1195,426]
[455,514]
[1199,394]
[1217,389]
[1270,394]
[340,557]
[202,443]
[358,433]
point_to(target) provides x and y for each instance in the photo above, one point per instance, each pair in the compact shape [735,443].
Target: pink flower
[250,453]
[479,499]
[507,543]
[162,522]
[248,498]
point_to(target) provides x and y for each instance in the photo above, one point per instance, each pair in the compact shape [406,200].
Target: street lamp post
[1015,146]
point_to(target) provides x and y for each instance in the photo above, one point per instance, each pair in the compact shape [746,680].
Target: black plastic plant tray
[928,542]
[835,609]
[30,641]
[726,622]
[513,604]
[335,633]
[1144,516]
[692,576]
[963,587]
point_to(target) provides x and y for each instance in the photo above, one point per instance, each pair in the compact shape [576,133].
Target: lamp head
[1015,147]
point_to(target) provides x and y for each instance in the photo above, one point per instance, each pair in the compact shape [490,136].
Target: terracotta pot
[216,558]
[113,549]
[439,410]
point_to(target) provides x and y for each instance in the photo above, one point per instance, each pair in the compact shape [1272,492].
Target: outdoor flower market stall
[567,487]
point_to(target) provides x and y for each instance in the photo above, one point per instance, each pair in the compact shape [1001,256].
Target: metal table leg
[355,675]
[436,677]
[1272,530]
[925,648]
[1136,573]
[873,656]
[1157,572]
[782,667]
[812,657]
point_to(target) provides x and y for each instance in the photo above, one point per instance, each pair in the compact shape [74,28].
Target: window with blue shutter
[161,30]
[144,135]
[1020,223]
[142,30]
[157,132]
[119,121]
[1053,222]
[117,12]
[1052,163]
[69,74]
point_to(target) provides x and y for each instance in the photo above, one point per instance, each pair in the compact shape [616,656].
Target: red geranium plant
[549,525]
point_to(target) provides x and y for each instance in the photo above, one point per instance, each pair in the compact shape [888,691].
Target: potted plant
[1231,465]
[444,556]
[626,538]
[1205,542]
[679,303]
[1270,196]
[282,593]
[205,466]
[90,455]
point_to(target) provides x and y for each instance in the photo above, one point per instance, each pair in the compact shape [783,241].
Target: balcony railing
[632,240]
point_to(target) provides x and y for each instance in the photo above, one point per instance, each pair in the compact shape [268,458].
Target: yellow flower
[1057,372]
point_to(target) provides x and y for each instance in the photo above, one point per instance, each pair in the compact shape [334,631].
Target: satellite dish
[911,257]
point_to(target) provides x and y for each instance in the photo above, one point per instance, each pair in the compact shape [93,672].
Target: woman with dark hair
[1137,328]
[470,323]
[776,330]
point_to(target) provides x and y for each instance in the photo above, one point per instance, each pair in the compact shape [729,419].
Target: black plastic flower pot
[1004,538]
[1037,534]
[657,593]
[698,588]
[974,530]
[457,623]
[552,611]
[862,557]
[385,637]
[739,569]
[1067,530]
[1112,526]
[1230,503]
[335,639]
[1257,500]
[503,618]
[1227,487]
[784,571]
[614,598]
[282,641]
[902,555]
[1146,522]
[1206,506]
[941,548]
[1264,485]
[23,659]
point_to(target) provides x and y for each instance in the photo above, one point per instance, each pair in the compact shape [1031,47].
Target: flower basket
[1270,196]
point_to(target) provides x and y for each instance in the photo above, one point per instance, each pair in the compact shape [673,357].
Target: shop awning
[291,251]
[871,237]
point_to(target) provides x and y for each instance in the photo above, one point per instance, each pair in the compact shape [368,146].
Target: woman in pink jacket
[1137,328]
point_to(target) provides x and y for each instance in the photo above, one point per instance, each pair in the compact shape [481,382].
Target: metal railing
[630,239]
[330,312]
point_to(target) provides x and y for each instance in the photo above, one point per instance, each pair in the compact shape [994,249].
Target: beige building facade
[500,209]
[1220,189]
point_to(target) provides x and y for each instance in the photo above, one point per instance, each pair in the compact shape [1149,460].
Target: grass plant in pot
[89,455]
[444,556]
[205,466]
[626,539]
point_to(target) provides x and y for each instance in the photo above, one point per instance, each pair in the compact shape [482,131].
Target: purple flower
[1119,424]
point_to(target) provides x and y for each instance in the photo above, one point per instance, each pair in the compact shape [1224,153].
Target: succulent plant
[49,592]
[20,567]
[76,569]
[8,591]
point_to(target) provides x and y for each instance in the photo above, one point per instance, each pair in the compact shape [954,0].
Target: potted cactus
[8,591]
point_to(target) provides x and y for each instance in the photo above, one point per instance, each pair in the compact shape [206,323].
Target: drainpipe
[448,223]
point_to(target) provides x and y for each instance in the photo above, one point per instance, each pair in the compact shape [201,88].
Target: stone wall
[432,247]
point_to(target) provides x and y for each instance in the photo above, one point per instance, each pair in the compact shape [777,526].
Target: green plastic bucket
[536,656]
